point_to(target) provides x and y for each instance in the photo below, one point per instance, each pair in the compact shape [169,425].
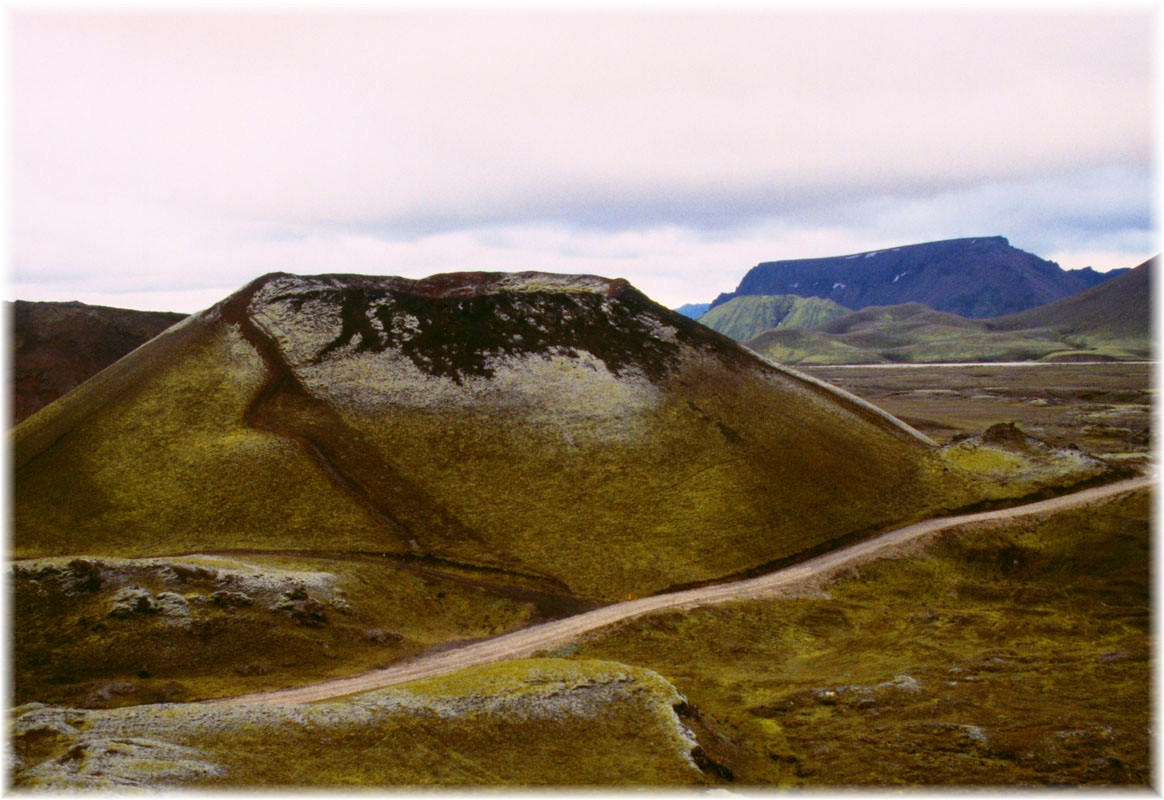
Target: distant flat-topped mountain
[748,316]
[981,277]
[1111,321]
[57,346]
[562,428]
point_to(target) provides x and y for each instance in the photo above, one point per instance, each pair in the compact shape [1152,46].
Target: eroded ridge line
[525,642]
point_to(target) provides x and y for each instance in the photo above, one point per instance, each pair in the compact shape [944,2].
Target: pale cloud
[157,152]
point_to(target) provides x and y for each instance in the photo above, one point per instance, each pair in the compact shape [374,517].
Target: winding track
[523,643]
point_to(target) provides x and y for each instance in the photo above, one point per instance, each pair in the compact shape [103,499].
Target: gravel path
[551,635]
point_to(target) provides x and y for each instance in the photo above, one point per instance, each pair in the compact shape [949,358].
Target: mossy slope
[154,455]
[1011,654]
[541,722]
[556,426]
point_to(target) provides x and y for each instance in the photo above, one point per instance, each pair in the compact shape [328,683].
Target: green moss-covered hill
[1111,321]
[563,429]
[747,316]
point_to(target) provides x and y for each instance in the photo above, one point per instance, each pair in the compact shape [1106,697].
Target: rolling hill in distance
[1117,309]
[1111,321]
[57,346]
[979,277]
[693,310]
[743,317]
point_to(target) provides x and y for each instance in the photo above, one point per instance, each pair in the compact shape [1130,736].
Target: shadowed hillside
[57,346]
[1120,309]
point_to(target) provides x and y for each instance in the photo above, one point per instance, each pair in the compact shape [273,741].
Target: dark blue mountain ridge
[974,277]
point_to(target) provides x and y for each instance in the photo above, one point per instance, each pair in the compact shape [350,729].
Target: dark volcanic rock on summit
[461,333]
[980,277]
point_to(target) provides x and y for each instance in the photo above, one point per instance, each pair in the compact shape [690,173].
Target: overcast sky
[161,161]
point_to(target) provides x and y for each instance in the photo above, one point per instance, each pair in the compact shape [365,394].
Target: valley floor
[1103,408]
[1010,650]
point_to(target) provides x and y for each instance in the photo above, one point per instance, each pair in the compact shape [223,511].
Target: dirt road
[551,635]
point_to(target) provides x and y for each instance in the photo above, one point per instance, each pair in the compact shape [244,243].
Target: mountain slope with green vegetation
[1111,321]
[564,429]
[746,317]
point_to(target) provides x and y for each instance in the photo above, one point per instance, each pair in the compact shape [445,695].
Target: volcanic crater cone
[562,428]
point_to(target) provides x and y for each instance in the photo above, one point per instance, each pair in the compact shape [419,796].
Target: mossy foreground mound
[105,632]
[525,723]
[564,429]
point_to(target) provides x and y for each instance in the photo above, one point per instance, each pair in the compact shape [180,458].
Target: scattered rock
[190,573]
[340,602]
[383,637]
[975,733]
[309,612]
[1007,434]
[904,683]
[304,609]
[102,696]
[81,577]
[172,604]
[248,670]
[228,599]
[289,598]
[132,600]
[109,763]
[826,697]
